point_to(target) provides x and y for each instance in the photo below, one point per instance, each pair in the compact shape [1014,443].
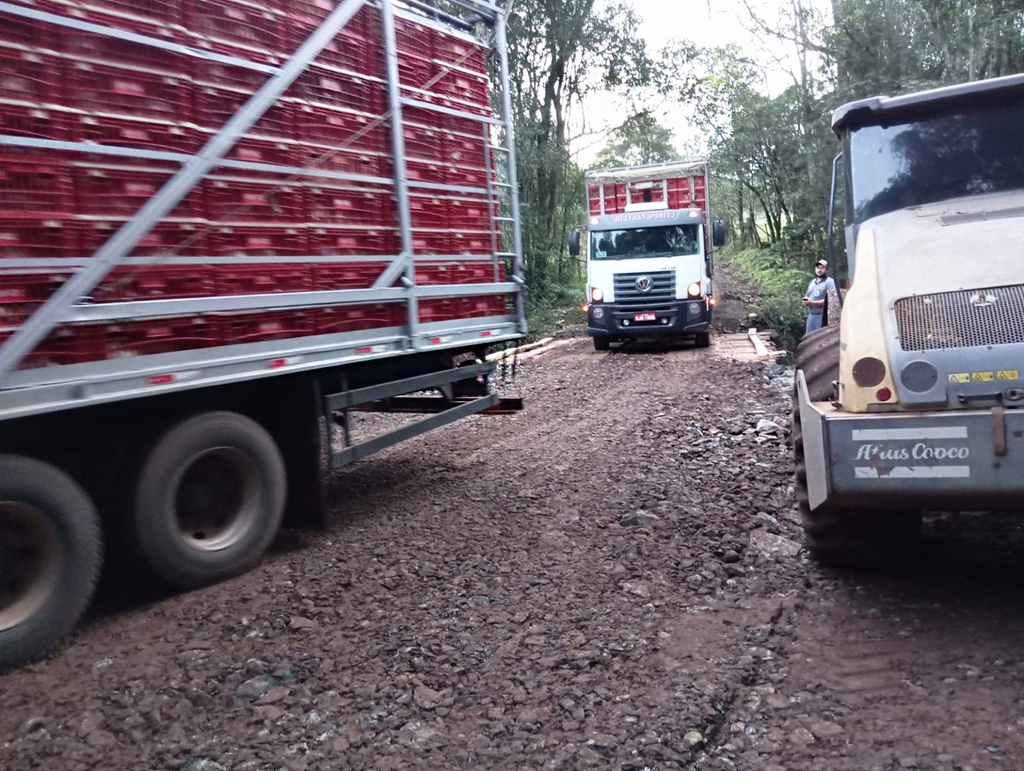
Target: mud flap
[812,423]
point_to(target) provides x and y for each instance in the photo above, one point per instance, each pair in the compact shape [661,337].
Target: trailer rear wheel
[50,557]
[841,536]
[209,499]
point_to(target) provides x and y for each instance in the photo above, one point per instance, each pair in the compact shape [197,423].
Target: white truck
[649,256]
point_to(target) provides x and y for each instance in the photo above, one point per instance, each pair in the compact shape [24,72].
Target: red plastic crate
[67,344]
[128,131]
[167,239]
[333,202]
[343,89]
[328,158]
[151,282]
[351,49]
[25,120]
[216,105]
[346,275]
[33,76]
[425,171]
[22,293]
[347,241]
[338,127]
[439,309]
[460,84]
[159,18]
[414,38]
[470,243]
[104,87]
[277,240]
[144,338]
[250,199]
[263,279]
[417,70]
[28,32]
[236,329]
[466,176]
[125,53]
[120,191]
[457,273]
[425,142]
[354,318]
[469,214]
[467,150]
[280,152]
[238,28]
[429,211]
[431,242]
[462,53]
[36,186]
[34,237]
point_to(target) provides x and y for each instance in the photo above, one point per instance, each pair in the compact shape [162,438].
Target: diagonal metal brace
[125,240]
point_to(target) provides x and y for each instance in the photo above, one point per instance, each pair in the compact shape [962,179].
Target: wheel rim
[29,561]
[217,499]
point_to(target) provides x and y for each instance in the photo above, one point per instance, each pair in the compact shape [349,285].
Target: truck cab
[649,256]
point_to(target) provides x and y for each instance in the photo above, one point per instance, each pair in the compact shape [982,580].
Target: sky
[708,23]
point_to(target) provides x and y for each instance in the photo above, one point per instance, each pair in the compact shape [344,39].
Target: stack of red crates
[619,195]
[68,85]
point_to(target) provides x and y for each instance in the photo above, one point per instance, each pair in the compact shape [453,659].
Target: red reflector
[435,340]
[161,379]
[365,349]
[485,334]
[276,363]
[883,394]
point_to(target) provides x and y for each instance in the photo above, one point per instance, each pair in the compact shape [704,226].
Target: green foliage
[782,280]
[639,140]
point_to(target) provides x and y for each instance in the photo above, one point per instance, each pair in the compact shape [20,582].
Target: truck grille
[663,288]
[968,319]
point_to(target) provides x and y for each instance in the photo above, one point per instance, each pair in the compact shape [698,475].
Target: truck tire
[51,551]
[702,339]
[602,342]
[841,536]
[208,500]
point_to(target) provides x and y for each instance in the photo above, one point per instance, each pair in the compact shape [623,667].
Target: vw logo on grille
[645,284]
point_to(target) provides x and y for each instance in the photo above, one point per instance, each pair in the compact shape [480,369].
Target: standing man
[817,295]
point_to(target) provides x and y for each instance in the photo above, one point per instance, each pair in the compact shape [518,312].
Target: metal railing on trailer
[33,391]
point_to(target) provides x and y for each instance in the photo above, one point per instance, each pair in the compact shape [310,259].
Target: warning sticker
[1008,374]
[960,377]
[983,377]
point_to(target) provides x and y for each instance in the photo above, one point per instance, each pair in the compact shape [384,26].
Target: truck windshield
[948,156]
[668,241]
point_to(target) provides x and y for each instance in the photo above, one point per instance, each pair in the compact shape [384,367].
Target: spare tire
[51,551]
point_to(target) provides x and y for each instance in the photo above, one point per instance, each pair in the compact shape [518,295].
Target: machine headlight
[596,295]
[694,289]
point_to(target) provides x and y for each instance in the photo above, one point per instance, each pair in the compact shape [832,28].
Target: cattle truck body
[224,222]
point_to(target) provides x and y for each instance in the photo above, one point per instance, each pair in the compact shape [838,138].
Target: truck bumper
[679,317]
[958,459]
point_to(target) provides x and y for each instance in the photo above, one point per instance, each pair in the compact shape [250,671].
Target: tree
[639,140]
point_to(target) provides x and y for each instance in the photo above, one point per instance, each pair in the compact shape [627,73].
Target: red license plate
[645,317]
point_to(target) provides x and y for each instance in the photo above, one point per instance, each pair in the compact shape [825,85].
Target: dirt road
[612,579]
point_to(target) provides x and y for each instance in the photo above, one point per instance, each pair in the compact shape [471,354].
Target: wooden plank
[508,353]
[759,346]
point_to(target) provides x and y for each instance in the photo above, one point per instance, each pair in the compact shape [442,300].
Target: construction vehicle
[649,257]
[225,226]
[915,399]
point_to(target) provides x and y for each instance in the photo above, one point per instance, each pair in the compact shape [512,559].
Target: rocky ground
[612,579]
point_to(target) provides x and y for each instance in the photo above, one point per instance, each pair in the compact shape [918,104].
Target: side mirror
[574,243]
[718,233]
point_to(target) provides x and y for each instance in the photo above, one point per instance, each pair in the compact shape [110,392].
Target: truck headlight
[694,289]
[598,313]
[596,295]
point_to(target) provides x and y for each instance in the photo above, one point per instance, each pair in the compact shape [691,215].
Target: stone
[771,545]
[426,698]
[637,518]
[801,737]
[636,588]
[255,688]
[693,739]
[823,729]
[300,622]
